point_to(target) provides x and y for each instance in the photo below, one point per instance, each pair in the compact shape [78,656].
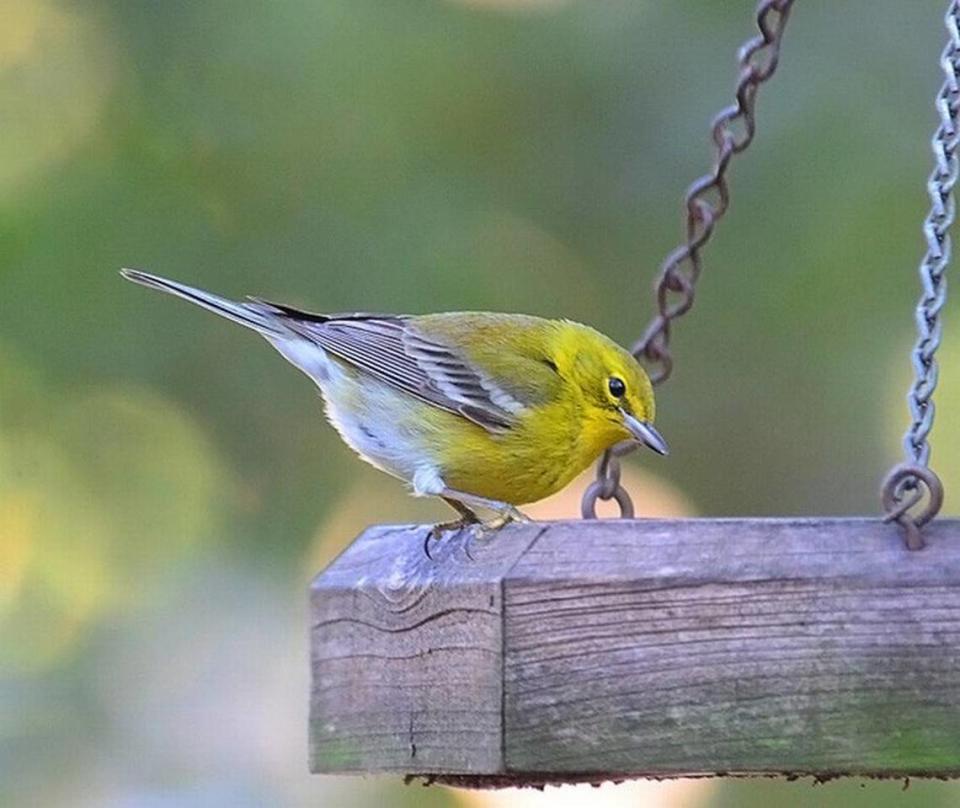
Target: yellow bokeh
[17,524]
[98,490]
[46,522]
[652,497]
[634,794]
[56,69]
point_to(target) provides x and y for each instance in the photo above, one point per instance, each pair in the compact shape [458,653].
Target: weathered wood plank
[643,647]
[692,646]
[407,666]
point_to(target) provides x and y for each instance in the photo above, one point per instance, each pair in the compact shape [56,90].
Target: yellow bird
[483,410]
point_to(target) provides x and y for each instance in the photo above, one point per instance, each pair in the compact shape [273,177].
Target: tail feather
[251,315]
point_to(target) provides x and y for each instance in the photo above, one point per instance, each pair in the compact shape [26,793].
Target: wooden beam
[590,650]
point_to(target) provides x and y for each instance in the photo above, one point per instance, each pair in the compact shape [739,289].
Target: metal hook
[902,490]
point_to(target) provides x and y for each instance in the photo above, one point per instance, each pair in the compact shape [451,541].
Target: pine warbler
[483,410]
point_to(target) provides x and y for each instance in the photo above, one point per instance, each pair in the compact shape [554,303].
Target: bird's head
[617,394]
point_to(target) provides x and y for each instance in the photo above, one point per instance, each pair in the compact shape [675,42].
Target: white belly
[374,419]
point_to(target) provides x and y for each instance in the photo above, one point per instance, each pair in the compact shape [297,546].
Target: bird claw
[454,526]
[436,532]
[481,529]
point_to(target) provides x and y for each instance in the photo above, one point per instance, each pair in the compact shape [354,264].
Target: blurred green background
[167,483]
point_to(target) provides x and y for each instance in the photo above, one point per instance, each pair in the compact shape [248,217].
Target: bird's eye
[617,388]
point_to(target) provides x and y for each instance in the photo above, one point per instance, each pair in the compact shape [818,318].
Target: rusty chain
[706,201]
[904,486]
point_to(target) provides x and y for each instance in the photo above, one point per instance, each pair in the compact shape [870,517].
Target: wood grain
[407,653]
[575,650]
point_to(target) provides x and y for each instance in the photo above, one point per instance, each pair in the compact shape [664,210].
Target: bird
[484,410]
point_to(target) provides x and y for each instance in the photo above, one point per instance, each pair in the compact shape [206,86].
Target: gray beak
[645,433]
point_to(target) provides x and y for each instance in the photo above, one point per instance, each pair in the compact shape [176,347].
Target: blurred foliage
[167,484]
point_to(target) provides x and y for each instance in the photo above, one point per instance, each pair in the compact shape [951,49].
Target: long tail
[252,315]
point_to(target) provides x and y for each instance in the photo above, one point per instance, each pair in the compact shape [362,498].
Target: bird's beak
[644,433]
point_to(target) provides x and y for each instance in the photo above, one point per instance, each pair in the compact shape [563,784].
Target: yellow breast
[550,446]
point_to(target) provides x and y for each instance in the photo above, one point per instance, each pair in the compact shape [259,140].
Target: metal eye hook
[902,490]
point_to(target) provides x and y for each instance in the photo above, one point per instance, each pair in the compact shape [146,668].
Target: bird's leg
[506,512]
[463,510]
[467,517]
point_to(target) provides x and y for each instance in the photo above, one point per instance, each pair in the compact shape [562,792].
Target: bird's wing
[392,349]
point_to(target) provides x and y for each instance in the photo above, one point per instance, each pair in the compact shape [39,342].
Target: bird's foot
[453,526]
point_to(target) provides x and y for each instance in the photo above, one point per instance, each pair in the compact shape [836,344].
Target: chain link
[903,487]
[706,201]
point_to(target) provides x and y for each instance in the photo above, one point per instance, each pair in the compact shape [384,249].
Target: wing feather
[390,349]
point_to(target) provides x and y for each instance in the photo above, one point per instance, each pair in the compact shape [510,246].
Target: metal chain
[904,485]
[706,201]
